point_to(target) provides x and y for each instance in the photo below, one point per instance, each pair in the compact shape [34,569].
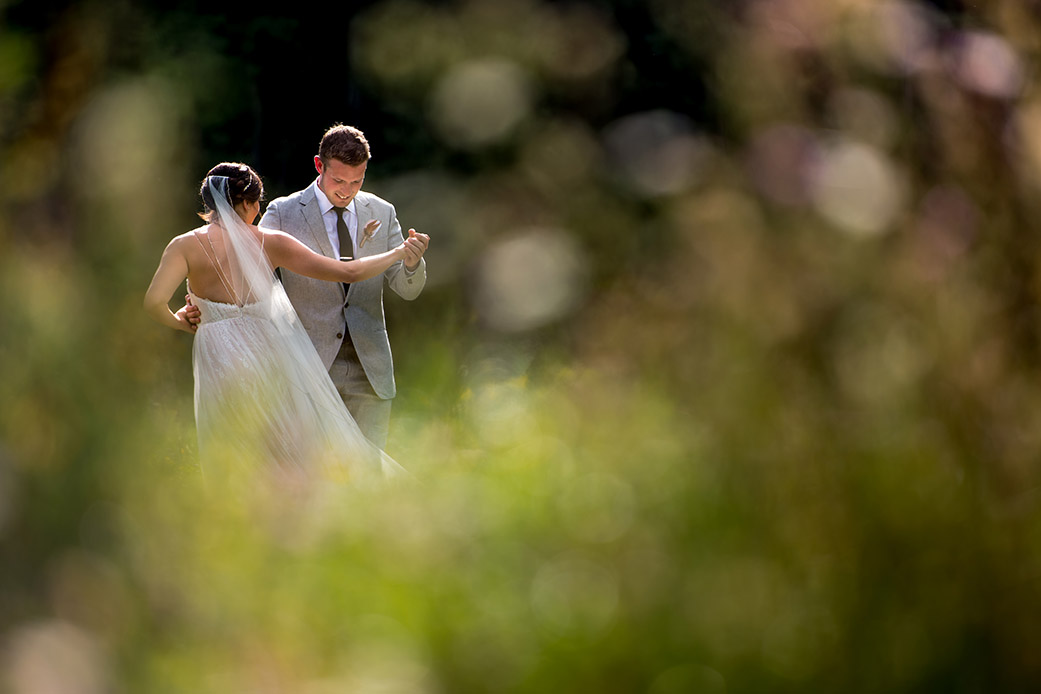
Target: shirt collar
[323,202]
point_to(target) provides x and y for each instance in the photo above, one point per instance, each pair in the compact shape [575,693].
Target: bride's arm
[173,268]
[285,251]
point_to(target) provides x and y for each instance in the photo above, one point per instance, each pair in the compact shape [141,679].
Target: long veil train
[263,398]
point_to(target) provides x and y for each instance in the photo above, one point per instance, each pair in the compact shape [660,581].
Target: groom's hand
[190,314]
[415,246]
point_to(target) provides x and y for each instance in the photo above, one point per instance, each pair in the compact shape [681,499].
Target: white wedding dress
[265,405]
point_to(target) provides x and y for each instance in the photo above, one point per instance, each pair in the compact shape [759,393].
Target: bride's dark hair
[244,185]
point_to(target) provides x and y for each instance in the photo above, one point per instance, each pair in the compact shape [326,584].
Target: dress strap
[211,255]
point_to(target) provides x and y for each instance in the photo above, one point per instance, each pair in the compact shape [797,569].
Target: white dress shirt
[329,217]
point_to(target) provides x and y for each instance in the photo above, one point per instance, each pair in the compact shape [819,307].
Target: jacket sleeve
[405,284]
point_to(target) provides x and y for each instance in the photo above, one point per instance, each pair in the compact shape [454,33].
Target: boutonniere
[369,231]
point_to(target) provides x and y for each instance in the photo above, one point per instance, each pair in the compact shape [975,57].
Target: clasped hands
[415,246]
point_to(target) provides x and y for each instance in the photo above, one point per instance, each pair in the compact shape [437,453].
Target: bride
[264,402]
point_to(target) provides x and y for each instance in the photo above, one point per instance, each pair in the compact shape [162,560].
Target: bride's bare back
[205,250]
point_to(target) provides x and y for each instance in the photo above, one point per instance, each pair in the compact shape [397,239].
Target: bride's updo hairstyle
[244,185]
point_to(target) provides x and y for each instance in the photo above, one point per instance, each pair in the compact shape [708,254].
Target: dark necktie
[344,232]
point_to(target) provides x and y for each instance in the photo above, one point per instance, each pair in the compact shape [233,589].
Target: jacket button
[339,336]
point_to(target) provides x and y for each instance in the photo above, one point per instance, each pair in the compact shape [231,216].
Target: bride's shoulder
[187,237]
[191,233]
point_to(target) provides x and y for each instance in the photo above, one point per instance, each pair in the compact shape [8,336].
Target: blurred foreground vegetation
[726,377]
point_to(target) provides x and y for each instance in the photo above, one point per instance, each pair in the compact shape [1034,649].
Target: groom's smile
[340,182]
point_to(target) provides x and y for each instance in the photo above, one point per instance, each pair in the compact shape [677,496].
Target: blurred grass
[749,404]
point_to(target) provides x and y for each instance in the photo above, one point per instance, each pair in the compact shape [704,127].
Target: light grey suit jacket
[321,305]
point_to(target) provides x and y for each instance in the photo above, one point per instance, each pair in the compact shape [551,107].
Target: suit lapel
[313,216]
[364,212]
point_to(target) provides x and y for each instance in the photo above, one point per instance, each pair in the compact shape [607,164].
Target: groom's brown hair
[344,143]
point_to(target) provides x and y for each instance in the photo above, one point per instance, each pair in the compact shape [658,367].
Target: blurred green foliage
[725,378]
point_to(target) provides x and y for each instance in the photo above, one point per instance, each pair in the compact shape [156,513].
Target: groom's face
[340,182]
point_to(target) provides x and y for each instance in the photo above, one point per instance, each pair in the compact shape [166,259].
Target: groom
[345,322]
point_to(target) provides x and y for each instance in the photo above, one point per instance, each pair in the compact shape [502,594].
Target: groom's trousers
[371,412]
